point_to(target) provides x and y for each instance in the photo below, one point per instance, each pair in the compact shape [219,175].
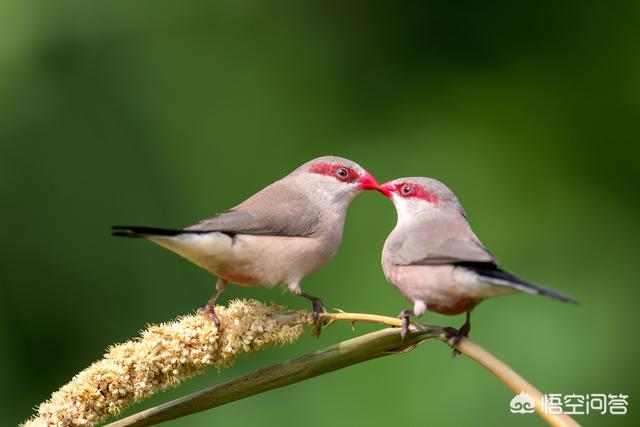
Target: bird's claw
[457,335]
[318,307]
[210,312]
[404,316]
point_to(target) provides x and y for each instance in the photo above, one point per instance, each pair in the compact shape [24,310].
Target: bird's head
[416,195]
[337,177]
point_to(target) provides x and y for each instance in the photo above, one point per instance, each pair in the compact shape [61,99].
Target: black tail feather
[498,276]
[133,231]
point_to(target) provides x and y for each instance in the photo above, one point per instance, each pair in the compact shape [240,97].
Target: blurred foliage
[160,113]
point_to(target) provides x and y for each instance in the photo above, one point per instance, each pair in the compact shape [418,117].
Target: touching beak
[367,182]
[386,189]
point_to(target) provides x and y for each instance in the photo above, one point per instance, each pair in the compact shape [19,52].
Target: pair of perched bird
[294,226]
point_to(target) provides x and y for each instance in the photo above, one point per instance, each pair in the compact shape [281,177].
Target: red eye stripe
[418,192]
[329,169]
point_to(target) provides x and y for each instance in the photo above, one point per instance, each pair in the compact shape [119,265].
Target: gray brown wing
[453,251]
[440,242]
[277,210]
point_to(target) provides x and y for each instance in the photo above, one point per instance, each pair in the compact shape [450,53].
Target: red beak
[367,182]
[386,189]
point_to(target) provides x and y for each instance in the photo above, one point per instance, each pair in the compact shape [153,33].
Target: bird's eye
[342,173]
[406,190]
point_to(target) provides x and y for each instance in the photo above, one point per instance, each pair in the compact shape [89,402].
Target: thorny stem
[366,347]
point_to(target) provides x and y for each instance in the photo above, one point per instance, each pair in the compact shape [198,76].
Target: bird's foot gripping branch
[166,354]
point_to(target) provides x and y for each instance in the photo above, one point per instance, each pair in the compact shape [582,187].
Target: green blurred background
[160,113]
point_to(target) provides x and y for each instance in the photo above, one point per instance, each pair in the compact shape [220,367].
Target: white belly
[444,286]
[248,259]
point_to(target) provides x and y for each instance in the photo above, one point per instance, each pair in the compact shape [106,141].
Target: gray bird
[275,237]
[434,258]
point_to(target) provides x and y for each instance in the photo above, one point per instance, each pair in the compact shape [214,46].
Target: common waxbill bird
[275,237]
[436,261]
